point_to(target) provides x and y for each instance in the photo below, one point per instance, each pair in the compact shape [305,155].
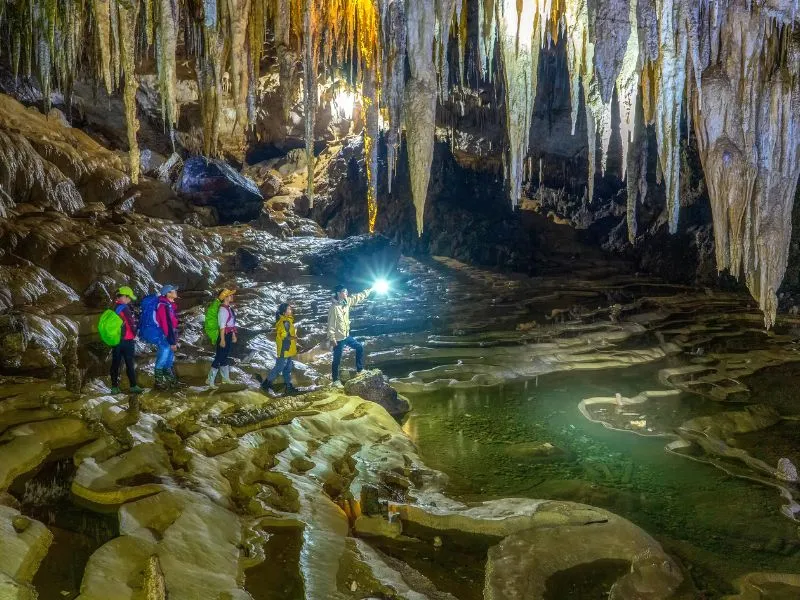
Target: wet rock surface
[374,386]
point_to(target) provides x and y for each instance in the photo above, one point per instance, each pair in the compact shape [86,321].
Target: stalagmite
[420,102]
[747,121]
[518,35]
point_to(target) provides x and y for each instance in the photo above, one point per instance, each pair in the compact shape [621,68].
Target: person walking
[226,321]
[285,348]
[339,328]
[126,349]
[167,320]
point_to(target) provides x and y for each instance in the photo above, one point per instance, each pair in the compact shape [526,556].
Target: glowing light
[343,103]
[381,286]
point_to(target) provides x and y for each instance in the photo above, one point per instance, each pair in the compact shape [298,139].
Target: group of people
[159,325]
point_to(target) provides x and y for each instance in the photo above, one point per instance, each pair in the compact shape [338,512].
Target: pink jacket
[167,319]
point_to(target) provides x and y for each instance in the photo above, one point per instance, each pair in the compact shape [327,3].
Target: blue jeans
[337,355]
[284,366]
[165,356]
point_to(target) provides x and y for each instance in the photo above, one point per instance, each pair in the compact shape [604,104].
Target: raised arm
[356,299]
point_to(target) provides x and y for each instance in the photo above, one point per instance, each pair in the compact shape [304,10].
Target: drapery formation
[730,69]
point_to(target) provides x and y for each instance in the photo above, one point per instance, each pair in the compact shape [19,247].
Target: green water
[489,441]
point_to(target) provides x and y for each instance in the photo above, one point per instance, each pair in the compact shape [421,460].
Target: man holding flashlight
[339,328]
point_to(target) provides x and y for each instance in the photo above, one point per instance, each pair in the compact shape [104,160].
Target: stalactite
[127,32]
[670,71]
[371,133]
[166,42]
[658,55]
[394,52]
[238,12]
[580,62]
[209,75]
[287,57]
[311,43]
[420,101]
[461,19]
[488,36]
[115,49]
[444,18]
[636,170]
[519,38]
[627,85]
[102,22]
[747,123]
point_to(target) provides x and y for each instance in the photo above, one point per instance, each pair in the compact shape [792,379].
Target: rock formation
[643,56]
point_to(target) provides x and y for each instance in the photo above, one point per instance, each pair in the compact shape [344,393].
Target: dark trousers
[337,355]
[126,350]
[221,357]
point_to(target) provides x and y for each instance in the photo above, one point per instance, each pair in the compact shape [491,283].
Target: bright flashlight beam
[381,286]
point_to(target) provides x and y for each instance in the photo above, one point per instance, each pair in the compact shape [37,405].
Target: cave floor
[667,405]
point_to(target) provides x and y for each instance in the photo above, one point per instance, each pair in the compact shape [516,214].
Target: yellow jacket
[339,315]
[285,336]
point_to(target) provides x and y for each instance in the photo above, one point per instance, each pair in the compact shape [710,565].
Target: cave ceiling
[726,72]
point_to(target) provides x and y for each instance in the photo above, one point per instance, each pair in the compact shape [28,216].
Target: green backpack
[110,328]
[212,322]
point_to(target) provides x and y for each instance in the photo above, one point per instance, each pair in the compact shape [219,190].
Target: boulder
[374,386]
[170,170]
[150,161]
[215,183]
[354,261]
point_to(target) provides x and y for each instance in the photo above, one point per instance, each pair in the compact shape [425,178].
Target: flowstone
[542,538]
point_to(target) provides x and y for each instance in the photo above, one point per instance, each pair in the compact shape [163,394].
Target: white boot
[212,378]
[226,374]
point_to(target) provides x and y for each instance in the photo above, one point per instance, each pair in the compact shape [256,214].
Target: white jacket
[339,315]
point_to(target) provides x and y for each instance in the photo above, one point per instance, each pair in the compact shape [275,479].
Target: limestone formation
[731,69]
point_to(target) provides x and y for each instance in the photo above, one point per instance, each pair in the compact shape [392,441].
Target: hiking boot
[211,380]
[161,381]
[266,386]
[115,390]
[337,384]
[172,378]
[291,391]
[136,390]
